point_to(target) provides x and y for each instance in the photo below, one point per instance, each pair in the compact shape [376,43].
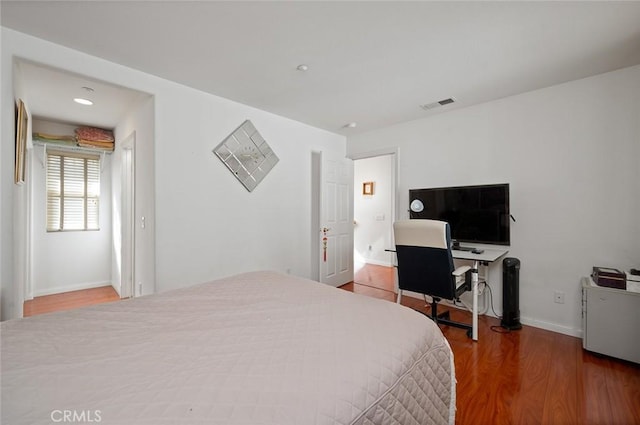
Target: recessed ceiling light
[351,125]
[302,68]
[82,101]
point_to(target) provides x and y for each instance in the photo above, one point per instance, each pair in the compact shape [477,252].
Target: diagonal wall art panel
[247,155]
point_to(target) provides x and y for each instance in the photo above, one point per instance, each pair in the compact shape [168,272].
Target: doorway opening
[77,265]
[375,210]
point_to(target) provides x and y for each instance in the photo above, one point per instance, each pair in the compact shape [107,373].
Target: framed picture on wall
[367,188]
[21,142]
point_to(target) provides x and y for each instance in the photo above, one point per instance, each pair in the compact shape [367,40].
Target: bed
[256,348]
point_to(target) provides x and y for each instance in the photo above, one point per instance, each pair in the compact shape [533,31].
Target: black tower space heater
[511,294]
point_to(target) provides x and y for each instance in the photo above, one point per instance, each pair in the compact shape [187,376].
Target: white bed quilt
[257,348]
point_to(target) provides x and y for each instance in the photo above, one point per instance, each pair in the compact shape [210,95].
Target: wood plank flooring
[69,300]
[530,376]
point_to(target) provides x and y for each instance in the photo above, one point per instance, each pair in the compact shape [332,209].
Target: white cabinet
[611,321]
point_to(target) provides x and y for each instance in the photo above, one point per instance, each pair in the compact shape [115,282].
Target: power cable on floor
[496,328]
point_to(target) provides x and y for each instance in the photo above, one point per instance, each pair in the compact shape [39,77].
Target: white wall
[208,225]
[570,153]
[205,224]
[373,214]
[18,264]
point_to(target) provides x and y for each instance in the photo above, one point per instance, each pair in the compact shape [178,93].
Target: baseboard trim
[553,327]
[70,288]
[377,262]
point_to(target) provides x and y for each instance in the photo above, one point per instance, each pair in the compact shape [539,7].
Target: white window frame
[88,197]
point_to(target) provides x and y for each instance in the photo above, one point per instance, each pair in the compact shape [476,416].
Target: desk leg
[474,287]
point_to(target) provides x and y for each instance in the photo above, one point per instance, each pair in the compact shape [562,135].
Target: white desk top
[489,255]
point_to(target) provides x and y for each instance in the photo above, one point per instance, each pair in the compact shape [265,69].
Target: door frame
[395,176]
[395,172]
[316,175]
[128,210]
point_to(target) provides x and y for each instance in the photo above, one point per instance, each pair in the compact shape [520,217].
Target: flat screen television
[476,214]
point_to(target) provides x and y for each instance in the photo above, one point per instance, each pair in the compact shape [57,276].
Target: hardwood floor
[530,376]
[69,300]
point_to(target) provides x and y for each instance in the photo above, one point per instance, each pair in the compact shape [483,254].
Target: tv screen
[477,214]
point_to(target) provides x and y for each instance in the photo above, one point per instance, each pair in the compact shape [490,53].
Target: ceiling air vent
[428,106]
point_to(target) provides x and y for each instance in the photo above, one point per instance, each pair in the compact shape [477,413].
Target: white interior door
[128,218]
[336,220]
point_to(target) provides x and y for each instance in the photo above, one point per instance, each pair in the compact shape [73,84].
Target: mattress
[257,348]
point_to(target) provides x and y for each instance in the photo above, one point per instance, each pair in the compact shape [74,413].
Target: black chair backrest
[425,262]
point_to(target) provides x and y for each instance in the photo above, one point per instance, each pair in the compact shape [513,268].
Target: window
[73,191]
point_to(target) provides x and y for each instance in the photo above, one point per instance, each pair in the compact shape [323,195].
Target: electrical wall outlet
[558,297]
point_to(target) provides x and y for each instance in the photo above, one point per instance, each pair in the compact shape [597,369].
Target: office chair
[425,265]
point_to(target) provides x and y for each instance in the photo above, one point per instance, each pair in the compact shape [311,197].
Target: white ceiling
[51,92]
[372,63]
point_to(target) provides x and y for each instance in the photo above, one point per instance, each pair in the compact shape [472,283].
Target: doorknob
[325,240]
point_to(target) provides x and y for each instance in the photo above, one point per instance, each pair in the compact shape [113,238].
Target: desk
[488,256]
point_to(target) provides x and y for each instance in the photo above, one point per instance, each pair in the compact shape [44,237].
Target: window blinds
[73,191]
